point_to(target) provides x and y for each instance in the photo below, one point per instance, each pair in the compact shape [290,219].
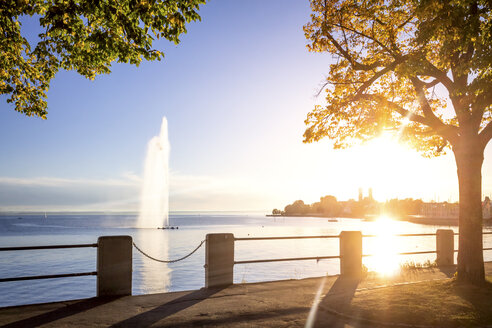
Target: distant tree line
[328,206]
[402,207]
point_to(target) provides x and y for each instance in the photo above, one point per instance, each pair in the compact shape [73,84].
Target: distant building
[443,210]
[447,210]
[486,208]
[361,195]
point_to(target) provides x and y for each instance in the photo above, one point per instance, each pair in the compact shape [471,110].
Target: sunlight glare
[385,259]
[385,165]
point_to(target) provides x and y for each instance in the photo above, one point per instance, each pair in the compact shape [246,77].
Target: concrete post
[445,247]
[114,266]
[351,254]
[219,260]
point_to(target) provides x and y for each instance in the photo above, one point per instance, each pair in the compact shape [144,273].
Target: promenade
[287,303]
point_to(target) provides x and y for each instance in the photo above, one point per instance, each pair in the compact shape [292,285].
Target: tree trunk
[469,159]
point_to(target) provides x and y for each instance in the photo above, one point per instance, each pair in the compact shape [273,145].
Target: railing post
[351,254]
[219,260]
[114,266]
[444,247]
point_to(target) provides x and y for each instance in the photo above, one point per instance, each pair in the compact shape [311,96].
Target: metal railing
[52,276]
[287,237]
[317,258]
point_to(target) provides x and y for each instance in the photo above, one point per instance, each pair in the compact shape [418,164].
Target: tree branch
[381,100]
[439,75]
[448,132]
[376,76]
[336,83]
[343,27]
[345,54]
[406,21]
[430,84]
[486,134]
[478,106]
[424,104]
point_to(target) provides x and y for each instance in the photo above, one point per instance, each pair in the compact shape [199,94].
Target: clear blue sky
[235,92]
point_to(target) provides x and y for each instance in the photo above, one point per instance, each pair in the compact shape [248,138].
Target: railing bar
[52,276]
[412,253]
[288,259]
[415,234]
[406,235]
[289,237]
[487,249]
[406,253]
[23,248]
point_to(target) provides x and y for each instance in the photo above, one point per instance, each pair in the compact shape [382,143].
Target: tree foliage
[390,56]
[297,207]
[82,35]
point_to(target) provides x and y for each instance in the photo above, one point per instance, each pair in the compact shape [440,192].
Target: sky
[235,92]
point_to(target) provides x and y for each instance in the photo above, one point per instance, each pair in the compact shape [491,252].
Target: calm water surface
[154,277]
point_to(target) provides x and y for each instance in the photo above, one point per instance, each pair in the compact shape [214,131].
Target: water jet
[154,203]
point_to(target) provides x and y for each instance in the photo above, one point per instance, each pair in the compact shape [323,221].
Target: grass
[410,266]
[434,303]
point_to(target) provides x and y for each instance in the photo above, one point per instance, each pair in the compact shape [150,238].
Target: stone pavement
[287,303]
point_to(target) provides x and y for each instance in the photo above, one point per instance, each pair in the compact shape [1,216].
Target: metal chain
[168,261]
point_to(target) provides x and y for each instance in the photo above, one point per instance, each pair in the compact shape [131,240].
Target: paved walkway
[287,303]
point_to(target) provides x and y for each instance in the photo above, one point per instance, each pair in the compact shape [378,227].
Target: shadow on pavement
[69,310]
[252,318]
[162,311]
[338,298]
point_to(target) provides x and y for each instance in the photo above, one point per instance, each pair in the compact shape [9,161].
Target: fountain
[154,207]
[154,203]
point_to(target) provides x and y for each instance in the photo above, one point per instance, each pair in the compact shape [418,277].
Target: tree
[298,207]
[392,59]
[276,212]
[328,205]
[84,35]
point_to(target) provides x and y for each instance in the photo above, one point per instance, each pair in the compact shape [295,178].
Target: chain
[168,261]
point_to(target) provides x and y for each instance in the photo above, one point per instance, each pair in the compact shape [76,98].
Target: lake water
[154,277]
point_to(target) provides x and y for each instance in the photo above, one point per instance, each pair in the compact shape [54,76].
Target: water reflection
[154,276]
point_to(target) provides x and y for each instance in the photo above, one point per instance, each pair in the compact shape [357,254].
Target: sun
[388,167]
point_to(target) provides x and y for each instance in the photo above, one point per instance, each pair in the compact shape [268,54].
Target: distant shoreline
[409,218]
